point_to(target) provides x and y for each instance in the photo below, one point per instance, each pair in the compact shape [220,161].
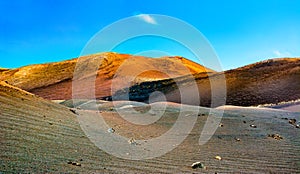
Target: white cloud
[281,54]
[277,53]
[147,18]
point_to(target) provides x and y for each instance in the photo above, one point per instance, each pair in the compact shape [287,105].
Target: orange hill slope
[54,80]
[269,81]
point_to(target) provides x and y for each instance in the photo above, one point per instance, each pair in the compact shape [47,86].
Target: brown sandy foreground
[39,136]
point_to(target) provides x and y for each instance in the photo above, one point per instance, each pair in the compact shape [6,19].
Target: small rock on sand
[292,121]
[253,126]
[198,165]
[73,111]
[78,164]
[111,130]
[74,163]
[275,136]
[132,142]
[218,158]
[237,139]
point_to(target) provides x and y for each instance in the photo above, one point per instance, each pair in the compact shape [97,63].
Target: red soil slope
[54,80]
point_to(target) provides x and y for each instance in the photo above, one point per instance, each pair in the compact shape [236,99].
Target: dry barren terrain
[39,136]
[54,80]
[269,81]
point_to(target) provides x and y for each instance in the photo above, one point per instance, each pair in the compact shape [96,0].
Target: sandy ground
[292,108]
[38,136]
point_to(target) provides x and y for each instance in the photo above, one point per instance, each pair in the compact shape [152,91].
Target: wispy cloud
[147,18]
[281,54]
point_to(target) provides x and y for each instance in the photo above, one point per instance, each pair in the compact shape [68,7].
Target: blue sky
[241,32]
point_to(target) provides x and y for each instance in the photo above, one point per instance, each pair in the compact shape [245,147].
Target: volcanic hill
[54,80]
[269,81]
[37,135]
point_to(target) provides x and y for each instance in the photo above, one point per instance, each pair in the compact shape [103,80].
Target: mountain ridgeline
[54,80]
[269,81]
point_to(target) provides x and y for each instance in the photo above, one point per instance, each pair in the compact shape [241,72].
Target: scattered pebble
[50,123]
[221,125]
[292,121]
[198,165]
[244,122]
[275,136]
[111,130]
[132,141]
[218,158]
[73,111]
[78,164]
[253,126]
[74,163]
[237,139]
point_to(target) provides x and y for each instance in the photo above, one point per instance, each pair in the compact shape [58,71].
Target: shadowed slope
[270,81]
